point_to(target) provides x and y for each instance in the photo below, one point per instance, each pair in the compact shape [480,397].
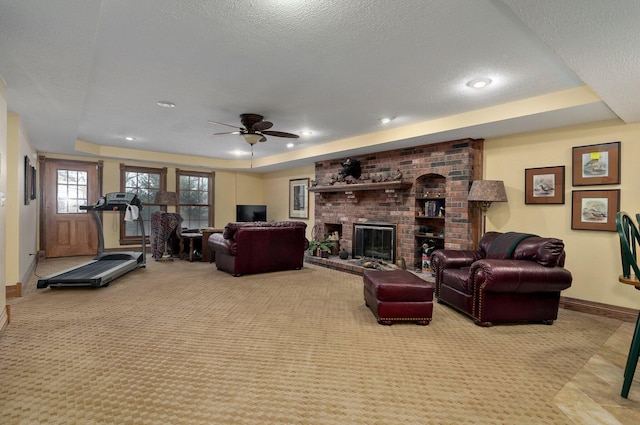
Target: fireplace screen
[375,241]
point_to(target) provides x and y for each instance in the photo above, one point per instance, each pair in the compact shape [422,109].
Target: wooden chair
[629,243]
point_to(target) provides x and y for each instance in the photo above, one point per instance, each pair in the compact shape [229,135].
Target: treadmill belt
[96,273]
[88,270]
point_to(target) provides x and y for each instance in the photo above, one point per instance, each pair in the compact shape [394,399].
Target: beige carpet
[182,343]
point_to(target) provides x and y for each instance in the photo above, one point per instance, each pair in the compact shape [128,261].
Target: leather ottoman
[398,296]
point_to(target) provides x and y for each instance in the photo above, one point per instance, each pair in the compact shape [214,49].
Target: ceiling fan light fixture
[252,138]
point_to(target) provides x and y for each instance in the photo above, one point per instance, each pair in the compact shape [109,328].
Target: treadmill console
[115,201]
[119,198]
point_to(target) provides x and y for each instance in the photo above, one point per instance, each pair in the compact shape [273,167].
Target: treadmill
[108,266]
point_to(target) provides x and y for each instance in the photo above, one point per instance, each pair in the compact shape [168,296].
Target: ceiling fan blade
[263,139]
[262,125]
[228,125]
[280,134]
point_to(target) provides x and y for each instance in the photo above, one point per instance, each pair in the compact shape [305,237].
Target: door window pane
[72,191]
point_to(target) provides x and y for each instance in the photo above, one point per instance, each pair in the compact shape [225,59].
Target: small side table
[191,237]
[207,255]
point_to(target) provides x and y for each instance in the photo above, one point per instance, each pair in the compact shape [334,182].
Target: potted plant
[321,248]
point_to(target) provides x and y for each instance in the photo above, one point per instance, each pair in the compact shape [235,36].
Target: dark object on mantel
[396,185]
[351,167]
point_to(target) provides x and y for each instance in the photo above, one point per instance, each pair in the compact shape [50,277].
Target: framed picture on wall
[595,209]
[33,182]
[596,164]
[27,180]
[544,185]
[299,198]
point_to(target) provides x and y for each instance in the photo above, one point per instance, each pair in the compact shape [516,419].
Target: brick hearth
[335,263]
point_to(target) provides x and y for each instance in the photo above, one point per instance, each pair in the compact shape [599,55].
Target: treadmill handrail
[116,206]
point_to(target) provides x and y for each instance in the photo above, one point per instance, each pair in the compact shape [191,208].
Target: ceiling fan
[255,129]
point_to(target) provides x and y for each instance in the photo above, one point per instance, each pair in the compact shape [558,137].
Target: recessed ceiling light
[306,132]
[290,145]
[129,138]
[385,120]
[479,83]
[165,104]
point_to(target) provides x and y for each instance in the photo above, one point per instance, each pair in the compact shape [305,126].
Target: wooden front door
[67,185]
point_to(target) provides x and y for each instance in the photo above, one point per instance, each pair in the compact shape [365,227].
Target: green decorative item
[319,248]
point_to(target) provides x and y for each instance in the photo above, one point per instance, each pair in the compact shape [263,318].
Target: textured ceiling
[93,70]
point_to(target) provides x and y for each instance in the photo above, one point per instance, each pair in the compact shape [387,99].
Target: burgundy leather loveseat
[258,247]
[512,277]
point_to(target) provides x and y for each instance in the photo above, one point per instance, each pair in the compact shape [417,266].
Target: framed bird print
[595,209]
[596,164]
[544,185]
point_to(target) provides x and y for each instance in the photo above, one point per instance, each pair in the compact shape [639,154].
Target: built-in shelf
[394,185]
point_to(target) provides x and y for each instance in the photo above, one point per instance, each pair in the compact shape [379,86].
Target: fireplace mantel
[394,185]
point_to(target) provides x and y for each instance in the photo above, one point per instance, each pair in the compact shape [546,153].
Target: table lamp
[166,198]
[483,193]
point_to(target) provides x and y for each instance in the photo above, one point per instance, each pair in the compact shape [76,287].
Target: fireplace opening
[374,240]
[333,232]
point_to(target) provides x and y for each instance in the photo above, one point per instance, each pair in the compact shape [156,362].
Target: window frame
[137,240]
[211,192]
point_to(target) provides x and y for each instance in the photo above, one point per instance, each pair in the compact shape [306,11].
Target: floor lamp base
[165,255]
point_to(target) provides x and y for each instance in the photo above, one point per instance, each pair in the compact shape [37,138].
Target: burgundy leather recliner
[259,247]
[512,277]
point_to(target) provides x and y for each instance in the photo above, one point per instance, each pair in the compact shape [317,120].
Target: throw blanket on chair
[503,246]
[162,224]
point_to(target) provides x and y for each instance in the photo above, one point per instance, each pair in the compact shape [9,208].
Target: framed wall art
[544,185]
[596,164]
[595,209]
[33,182]
[27,180]
[299,198]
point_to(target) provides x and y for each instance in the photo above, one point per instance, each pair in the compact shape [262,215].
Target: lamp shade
[166,198]
[487,191]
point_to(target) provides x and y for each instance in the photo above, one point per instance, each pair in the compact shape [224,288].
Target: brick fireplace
[379,197]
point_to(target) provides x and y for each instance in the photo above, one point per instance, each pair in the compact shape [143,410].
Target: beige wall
[276,194]
[593,257]
[20,260]
[3,208]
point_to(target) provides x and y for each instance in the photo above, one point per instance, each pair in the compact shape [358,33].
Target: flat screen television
[251,213]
